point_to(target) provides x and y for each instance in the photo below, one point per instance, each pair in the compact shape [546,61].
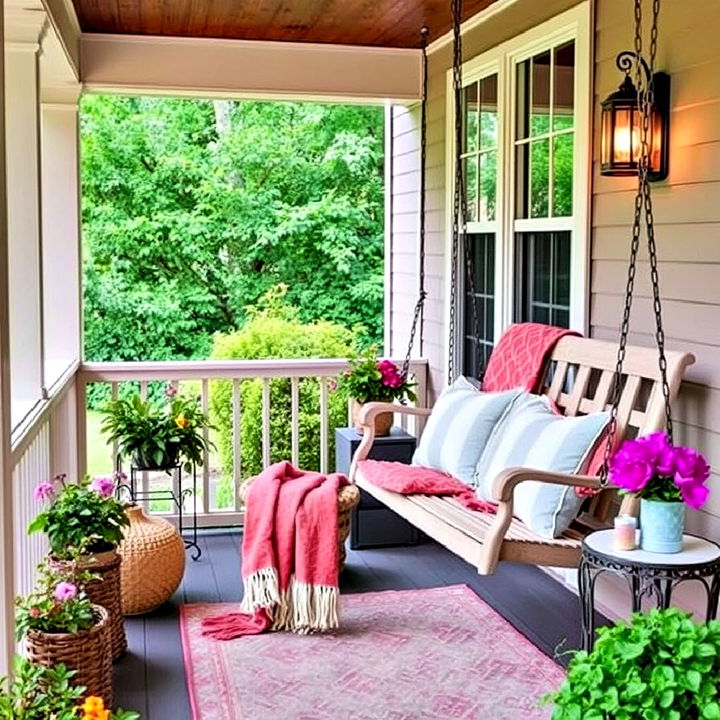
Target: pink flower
[170,391]
[34,612]
[103,486]
[694,494]
[390,374]
[691,465]
[332,385]
[44,491]
[65,591]
[630,474]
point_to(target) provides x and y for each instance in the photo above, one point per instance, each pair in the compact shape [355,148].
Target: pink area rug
[400,655]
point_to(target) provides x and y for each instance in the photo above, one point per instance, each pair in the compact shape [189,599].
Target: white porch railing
[201,375]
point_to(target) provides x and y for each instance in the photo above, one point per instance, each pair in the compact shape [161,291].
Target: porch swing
[635,384]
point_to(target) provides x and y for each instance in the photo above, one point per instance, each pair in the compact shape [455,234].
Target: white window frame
[574,24]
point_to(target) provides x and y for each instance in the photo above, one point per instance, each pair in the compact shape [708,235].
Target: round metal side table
[647,573]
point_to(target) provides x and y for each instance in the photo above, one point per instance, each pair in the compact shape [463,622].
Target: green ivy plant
[158,435]
[82,514]
[660,666]
[39,693]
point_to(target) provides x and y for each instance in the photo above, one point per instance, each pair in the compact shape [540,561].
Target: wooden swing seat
[580,380]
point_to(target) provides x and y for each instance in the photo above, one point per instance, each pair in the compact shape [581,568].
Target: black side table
[373,524]
[647,573]
[176,495]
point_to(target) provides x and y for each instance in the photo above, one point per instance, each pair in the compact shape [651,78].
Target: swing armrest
[366,420]
[505,482]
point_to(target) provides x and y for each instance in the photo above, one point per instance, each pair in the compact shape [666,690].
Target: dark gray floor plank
[151,677]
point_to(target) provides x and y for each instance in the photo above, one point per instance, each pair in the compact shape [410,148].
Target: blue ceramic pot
[662,525]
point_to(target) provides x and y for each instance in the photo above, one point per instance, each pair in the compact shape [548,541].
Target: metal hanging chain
[643,202]
[459,230]
[417,321]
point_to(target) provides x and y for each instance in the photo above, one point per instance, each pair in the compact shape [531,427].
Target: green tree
[192,210]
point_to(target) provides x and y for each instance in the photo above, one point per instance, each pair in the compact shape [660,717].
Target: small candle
[625,527]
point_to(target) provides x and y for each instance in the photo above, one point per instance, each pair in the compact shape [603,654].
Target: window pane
[563,174]
[470,169]
[488,185]
[564,86]
[539,178]
[561,270]
[522,100]
[541,268]
[540,114]
[488,113]
[471,118]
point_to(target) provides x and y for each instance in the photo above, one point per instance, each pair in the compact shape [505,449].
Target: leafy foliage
[274,330]
[368,379]
[155,435]
[58,602]
[39,693]
[661,666]
[80,516]
[193,209]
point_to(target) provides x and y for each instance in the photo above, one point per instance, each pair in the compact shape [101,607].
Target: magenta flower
[103,486]
[65,591]
[391,376]
[170,391]
[44,491]
[630,474]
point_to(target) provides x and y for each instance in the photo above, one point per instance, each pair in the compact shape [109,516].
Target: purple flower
[65,591]
[103,486]
[694,494]
[44,491]
[170,391]
[630,474]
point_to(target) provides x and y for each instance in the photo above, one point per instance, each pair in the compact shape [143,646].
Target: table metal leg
[586,587]
[713,597]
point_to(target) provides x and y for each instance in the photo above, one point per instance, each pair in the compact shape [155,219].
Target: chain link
[643,205]
[417,321]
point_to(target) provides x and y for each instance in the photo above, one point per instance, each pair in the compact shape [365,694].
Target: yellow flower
[92,704]
[181,421]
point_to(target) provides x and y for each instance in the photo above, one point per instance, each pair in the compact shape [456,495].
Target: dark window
[479,312]
[543,277]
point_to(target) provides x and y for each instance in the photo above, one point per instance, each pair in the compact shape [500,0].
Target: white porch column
[7,589]
[22,133]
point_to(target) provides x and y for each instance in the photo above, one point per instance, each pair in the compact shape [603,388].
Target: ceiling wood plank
[384,23]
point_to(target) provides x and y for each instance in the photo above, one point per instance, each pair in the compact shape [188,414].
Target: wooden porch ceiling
[385,23]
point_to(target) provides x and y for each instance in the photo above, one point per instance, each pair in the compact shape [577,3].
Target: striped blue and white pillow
[461,423]
[532,434]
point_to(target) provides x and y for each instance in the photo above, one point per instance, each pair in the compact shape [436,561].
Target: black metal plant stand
[176,495]
[647,574]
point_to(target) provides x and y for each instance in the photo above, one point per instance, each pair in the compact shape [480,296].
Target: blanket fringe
[261,591]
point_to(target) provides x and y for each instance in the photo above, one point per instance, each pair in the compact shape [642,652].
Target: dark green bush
[275,331]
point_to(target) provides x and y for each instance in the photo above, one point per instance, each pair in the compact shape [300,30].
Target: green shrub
[274,331]
[660,666]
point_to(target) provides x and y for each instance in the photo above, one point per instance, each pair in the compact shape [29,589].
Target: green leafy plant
[369,379]
[83,514]
[58,602]
[158,435]
[660,666]
[39,693]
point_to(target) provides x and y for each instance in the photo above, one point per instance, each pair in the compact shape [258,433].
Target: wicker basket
[86,652]
[348,498]
[106,592]
[153,562]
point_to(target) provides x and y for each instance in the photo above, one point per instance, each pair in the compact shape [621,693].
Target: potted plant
[36,692]
[86,515]
[61,625]
[371,380]
[660,665]
[665,477]
[158,436]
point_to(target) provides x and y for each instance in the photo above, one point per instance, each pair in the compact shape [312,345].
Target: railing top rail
[220,369]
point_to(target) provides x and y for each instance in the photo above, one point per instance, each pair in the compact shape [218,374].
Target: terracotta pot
[153,562]
[87,652]
[383,421]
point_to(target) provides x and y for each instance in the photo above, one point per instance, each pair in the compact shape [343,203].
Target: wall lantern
[621,121]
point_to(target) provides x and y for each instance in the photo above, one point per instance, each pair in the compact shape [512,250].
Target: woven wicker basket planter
[153,562]
[106,592]
[348,498]
[86,652]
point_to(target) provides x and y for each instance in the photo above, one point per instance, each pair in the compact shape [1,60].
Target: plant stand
[176,495]
[646,573]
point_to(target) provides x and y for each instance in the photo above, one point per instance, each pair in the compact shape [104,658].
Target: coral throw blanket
[290,555]
[416,480]
[520,357]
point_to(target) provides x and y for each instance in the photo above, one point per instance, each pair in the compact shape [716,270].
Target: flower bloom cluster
[94,709]
[103,486]
[65,591]
[391,376]
[637,462]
